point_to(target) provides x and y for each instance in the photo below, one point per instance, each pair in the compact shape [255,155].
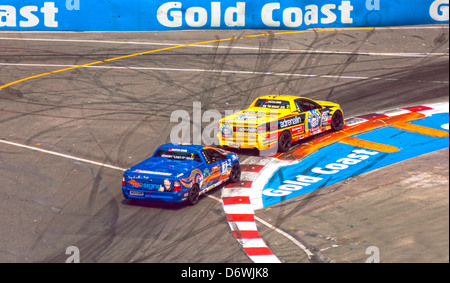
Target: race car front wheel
[193,195]
[235,175]
[337,121]
[284,141]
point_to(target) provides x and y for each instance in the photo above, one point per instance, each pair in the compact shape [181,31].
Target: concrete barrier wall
[154,15]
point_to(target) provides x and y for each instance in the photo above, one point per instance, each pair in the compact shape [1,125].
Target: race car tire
[193,195]
[235,175]
[284,141]
[337,121]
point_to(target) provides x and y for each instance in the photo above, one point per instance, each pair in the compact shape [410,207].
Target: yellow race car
[274,120]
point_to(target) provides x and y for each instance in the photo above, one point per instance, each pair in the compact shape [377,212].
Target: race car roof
[279,97]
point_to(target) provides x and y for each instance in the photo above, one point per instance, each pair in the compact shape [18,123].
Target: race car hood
[256,116]
[163,167]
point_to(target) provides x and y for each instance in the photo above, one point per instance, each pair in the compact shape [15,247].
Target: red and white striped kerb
[241,216]
[237,198]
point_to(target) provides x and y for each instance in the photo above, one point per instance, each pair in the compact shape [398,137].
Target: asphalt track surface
[65,136]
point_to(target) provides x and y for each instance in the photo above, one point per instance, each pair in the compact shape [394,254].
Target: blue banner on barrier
[146,15]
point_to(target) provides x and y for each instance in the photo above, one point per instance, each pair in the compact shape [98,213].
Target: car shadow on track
[294,146]
[154,204]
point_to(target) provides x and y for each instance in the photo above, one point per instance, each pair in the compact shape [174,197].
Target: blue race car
[177,173]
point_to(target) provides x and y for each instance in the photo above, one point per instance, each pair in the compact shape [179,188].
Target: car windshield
[174,154]
[273,104]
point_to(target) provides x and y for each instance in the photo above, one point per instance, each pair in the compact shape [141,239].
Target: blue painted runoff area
[155,15]
[340,161]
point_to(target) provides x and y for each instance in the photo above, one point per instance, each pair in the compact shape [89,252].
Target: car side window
[213,155]
[206,156]
[308,106]
[305,105]
[298,104]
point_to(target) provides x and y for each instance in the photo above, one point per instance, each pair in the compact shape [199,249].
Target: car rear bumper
[169,197]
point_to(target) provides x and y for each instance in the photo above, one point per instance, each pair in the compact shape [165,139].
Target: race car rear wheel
[337,121]
[235,175]
[284,141]
[193,195]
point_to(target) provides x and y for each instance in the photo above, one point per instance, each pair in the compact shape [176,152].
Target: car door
[214,160]
[298,131]
[313,115]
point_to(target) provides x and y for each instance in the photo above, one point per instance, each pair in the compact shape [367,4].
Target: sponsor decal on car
[314,122]
[289,122]
[226,131]
[153,172]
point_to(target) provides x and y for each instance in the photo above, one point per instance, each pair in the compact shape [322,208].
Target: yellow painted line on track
[421,129]
[369,145]
[176,47]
